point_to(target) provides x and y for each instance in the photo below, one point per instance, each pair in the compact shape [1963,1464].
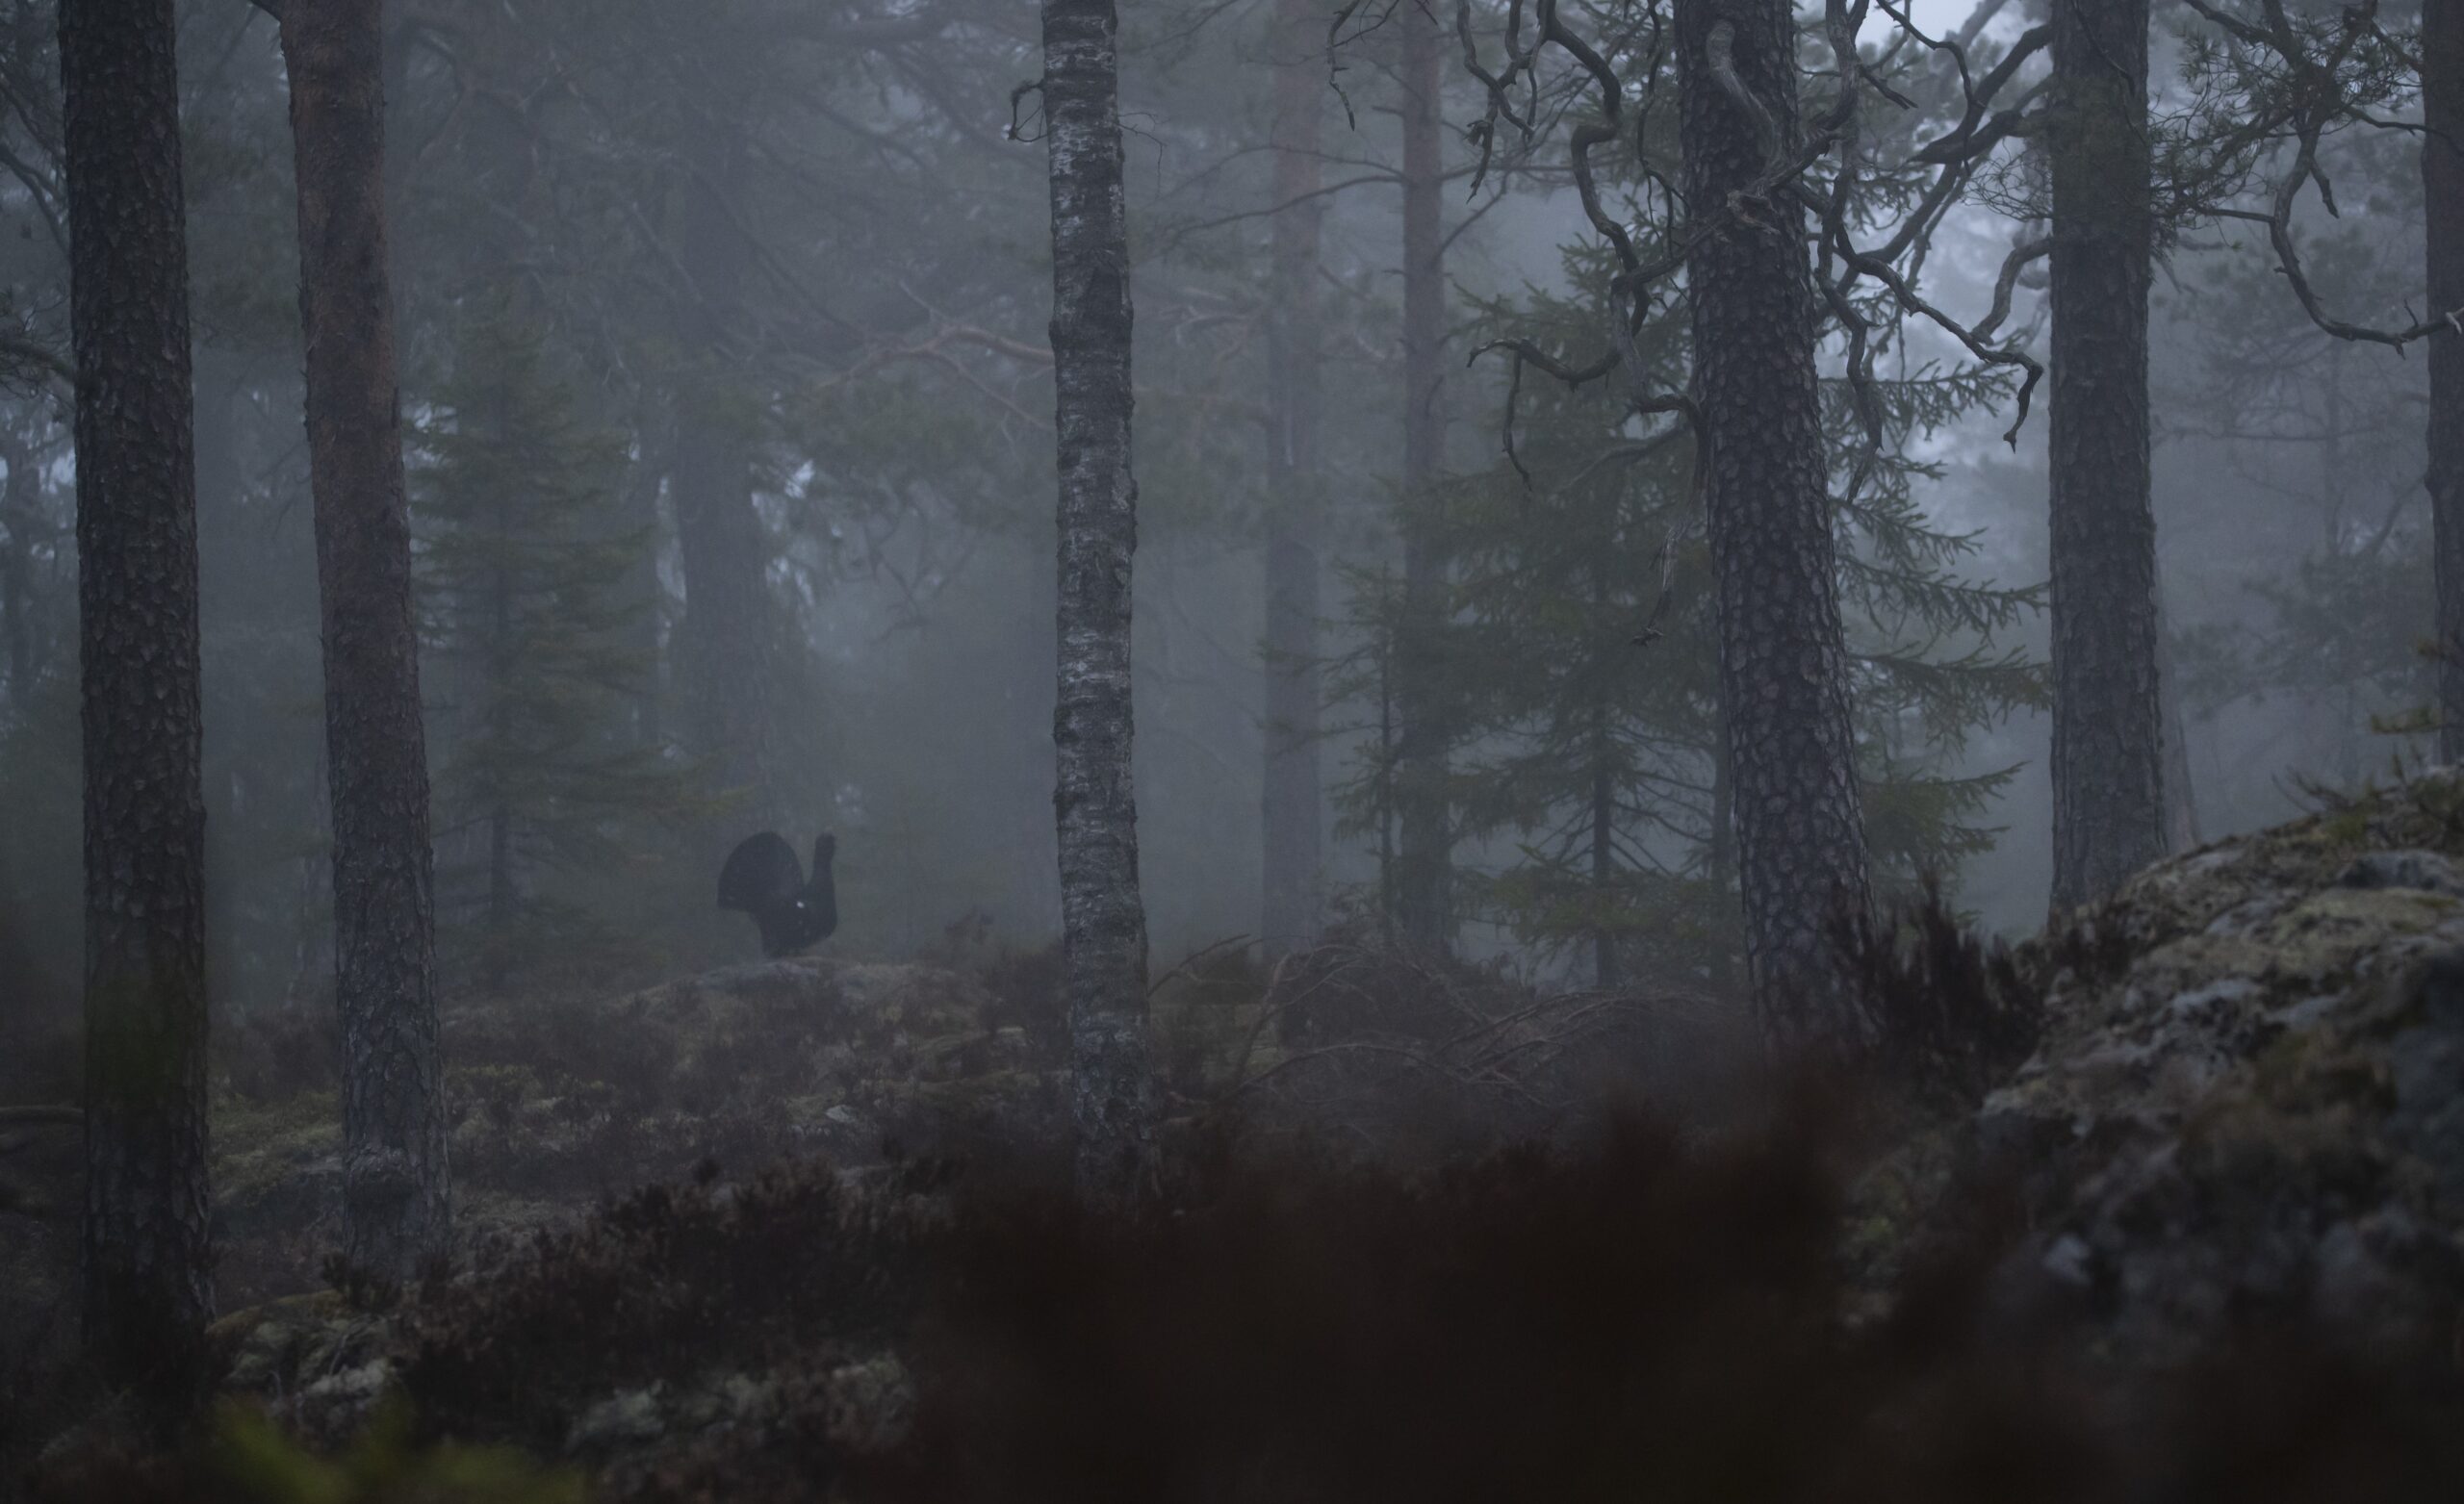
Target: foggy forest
[1222,750]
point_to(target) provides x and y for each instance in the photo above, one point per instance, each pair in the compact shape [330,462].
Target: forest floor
[794,1230]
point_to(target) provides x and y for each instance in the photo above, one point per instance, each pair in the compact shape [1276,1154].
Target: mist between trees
[1615,483]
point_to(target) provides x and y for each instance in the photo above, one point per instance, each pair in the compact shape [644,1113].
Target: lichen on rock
[2248,1103]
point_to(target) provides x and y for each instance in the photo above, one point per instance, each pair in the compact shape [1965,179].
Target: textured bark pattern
[2108,740]
[1423,865]
[148,1259]
[2443,182]
[724,643]
[1103,919]
[1294,798]
[395,1208]
[1801,852]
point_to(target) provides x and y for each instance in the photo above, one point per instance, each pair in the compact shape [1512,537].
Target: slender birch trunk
[1103,919]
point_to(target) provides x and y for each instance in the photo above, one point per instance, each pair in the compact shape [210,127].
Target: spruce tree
[1584,658]
[529,578]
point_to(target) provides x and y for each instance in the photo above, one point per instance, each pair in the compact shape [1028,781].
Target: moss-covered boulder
[2249,1101]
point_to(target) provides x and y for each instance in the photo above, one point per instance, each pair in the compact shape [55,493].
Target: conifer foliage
[1584,659]
[530,600]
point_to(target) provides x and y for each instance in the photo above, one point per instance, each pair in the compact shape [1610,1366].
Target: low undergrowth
[1633,1316]
[1409,1249]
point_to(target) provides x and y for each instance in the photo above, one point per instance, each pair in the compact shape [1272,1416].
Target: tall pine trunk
[148,1261]
[1424,864]
[394,1206]
[1103,919]
[1801,847]
[2108,737]
[2442,185]
[1293,796]
[724,643]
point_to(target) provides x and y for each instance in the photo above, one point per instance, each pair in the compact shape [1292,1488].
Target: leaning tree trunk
[2108,738]
[1801,848]
[148,1259]
[395,1208]
[2442,185]
[1293,796]
[1425,861]
[1103,920]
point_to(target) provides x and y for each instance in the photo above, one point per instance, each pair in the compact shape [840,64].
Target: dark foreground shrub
[1632,1320]
[1418,1061]
[1947,1014]
[1633,1316]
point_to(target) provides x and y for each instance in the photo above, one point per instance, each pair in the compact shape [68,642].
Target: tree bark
[396,1211]
[1801,849]
[1103,919]
[724,643]
[2443,185]
[148,1259]
[2108,738]
[1424,860]
[1293,796]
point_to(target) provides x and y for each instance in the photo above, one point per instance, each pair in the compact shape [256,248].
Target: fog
[880,365]
[1220,749]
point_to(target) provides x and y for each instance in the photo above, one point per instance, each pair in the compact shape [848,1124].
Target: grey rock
[2261,1105]
[2425,871]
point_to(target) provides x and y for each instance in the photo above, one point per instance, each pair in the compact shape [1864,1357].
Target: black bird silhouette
[763,879]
